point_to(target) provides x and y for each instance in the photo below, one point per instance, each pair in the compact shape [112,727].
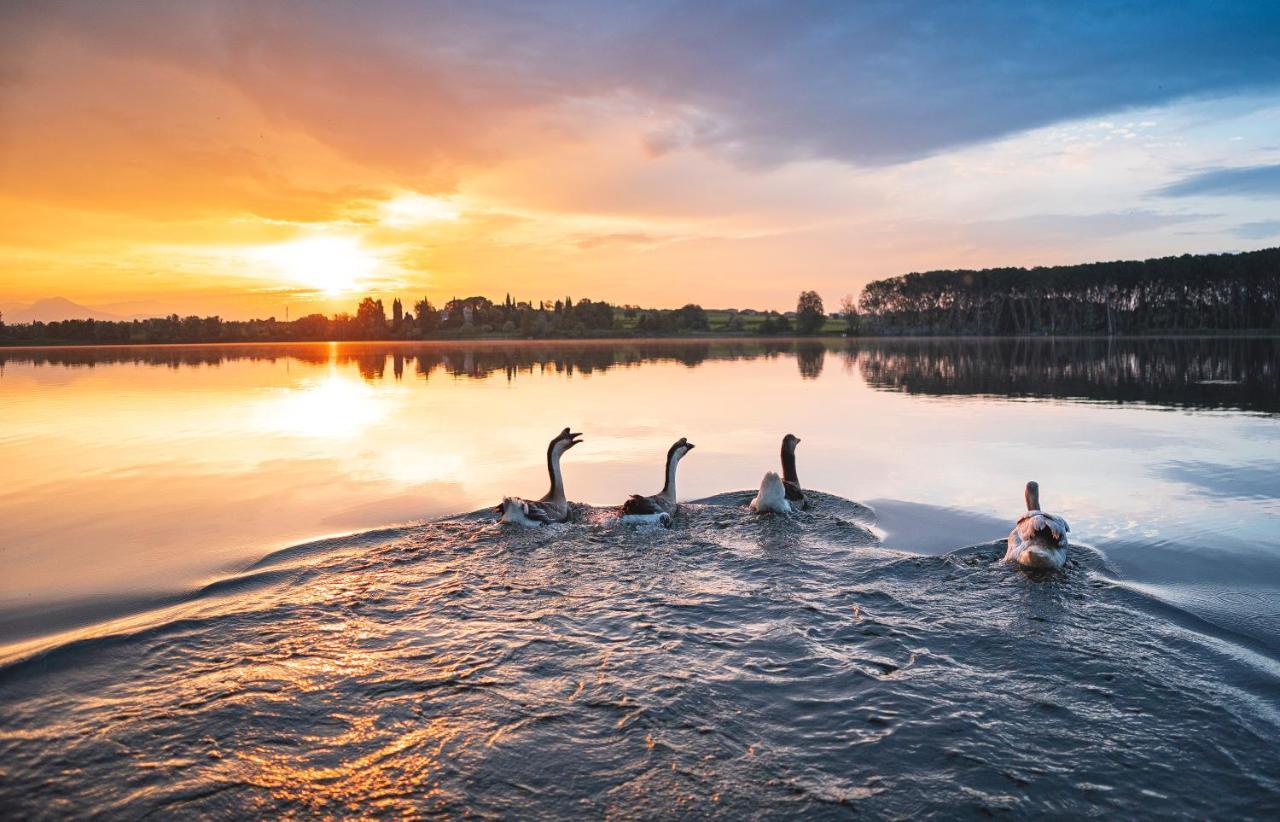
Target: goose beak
[688,446]
[574,439]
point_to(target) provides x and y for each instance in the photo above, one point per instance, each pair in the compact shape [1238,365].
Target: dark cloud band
[1250,181]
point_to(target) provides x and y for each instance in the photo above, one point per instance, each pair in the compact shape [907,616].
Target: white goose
[661,507]
[782,495]
[1038,540]
[551,508]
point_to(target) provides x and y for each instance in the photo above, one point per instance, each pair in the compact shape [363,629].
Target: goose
[1038,540]
[782,495]
[772,498]
[551,508]
[795,494]
[661,507]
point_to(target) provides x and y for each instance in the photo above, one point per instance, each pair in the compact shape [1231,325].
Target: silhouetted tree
[692,317]
[849,308]
[809,313]
[397,314]
[428,317]
[371,317]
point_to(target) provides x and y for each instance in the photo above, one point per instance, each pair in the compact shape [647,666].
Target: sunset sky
[235,158]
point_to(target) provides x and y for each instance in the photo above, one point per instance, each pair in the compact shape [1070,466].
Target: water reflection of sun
[329,407]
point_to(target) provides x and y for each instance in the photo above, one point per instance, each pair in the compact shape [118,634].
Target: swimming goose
[551,508]
[1038,540]
[772,498]
[661,507]
[795,495]
[782,495]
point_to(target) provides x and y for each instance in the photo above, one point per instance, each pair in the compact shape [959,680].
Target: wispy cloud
[1249,181]
[766,145]
[1078,227]
[1260,230]
[422,84]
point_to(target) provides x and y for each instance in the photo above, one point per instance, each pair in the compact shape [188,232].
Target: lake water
[258,579]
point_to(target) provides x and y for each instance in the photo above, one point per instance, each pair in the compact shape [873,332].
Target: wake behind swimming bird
[661,507]
[730,668]
[554,506]
[1038,540]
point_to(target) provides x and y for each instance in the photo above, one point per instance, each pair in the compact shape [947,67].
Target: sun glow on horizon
[330,265]
[215,171]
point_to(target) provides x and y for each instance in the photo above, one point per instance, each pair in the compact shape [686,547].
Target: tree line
[1206,292]
[459,318]
[1190,293]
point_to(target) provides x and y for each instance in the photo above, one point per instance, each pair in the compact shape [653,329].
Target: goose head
[563,441]
[1032,496]
[678,449]
[789,443]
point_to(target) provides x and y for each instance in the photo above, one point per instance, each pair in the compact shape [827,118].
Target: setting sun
[332,265]
[342,346]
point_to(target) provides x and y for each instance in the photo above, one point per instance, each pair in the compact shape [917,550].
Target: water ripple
[726,667]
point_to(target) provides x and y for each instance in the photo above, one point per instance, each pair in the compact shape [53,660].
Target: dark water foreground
[728,667]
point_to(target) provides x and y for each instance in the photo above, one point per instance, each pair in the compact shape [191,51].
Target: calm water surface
[228,587]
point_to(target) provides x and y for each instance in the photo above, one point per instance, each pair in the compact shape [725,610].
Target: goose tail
[772,497]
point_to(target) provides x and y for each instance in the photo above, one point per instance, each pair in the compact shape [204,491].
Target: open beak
[574,439]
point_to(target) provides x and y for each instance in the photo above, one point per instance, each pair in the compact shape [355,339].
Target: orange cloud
[161,156]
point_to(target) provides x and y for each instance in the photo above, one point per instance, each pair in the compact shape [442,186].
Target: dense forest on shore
[1191,293]
[1188,294]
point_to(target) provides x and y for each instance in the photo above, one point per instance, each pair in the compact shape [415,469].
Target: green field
[719,320]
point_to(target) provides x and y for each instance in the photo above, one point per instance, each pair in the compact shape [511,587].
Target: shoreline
[690,338]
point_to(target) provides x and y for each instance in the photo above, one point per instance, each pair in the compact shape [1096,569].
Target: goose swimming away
[661,507]
[1038,540]
[553,507]
[782,495]
[772,498]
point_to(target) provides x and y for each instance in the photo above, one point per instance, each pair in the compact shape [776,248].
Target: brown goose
[551,508]
[1038,540]
[661,507]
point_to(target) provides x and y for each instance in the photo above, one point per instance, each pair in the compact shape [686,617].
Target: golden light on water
[332,406]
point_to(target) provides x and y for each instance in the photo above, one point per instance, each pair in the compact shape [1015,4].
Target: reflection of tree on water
[1204,372]
[371,364]
[810,357]
[474,360]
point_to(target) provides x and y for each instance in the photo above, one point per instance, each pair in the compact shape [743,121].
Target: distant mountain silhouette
[53,309]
